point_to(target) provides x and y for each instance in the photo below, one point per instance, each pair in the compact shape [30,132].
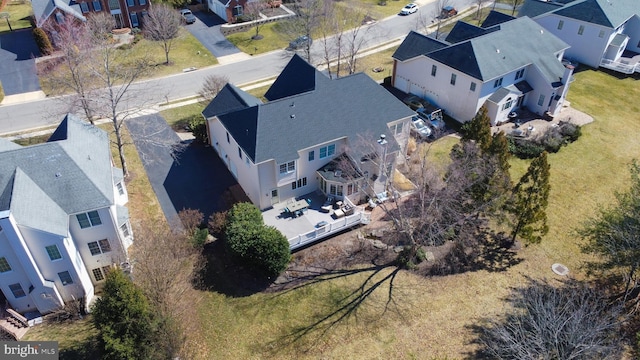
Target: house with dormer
[125,13]
[228,10]
[506,64]
[63,220]
[338,136]
[601,33]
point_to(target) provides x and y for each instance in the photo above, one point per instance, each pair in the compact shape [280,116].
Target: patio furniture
[322,224]
[328,205]
[338,213]
[299,205]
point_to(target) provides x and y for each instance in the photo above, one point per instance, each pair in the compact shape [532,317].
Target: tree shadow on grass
[80,351]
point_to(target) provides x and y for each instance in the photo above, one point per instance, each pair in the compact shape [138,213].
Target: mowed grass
[426,318]
[19,12]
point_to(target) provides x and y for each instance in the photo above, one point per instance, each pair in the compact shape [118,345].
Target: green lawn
[19,12]
[427,318]
[179,117]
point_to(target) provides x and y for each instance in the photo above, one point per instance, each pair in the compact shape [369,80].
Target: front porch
[315,223]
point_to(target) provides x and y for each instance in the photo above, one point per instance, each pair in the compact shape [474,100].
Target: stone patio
[528,119]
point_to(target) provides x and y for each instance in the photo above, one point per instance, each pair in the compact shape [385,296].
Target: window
[97,274]
[434,69]
[581,30]
[99,247]
[300,183]
[97,6]
[519,74]
[497,83]
[84,7]
[239,152]
[560,24]
[312,155]
[54,253]
[92,218]
[65,278]
[507,105]
[17,291]
[287,167]
[601,33]
[327,151]
[60,18]
[228,140]
[453,79]
[125,230]
[339,190]
[142,2]
[120,188]
[332,189]
[397,128]
[237,11]
[472,87]
[541,100]
[134,20]
[4,265]
[352,188]
[131,3]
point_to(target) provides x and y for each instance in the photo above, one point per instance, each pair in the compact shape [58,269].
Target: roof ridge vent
[498,51]
[293,116]
[58,174]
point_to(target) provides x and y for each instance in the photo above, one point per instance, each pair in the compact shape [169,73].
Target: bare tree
[254,10]
[166,267]
[570,321]
[514,6]
[480,5]
[355,37]
[74,43]
[438,16]
[162,24]
[309,14]
[212,85]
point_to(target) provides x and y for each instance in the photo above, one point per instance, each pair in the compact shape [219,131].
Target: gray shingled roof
[335,109]
[42,9]
[533,8]
[230,98]
[609,13]
[463,31]
[499,52]
[495,18]
[416,44]
[73,170]
[306,79]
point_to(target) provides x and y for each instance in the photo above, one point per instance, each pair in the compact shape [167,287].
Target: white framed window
[327,151]
[434,70]
[288,167]
[472,87]
[89,219]
[560,24]
[100,273]
[541,100]
[581,30]
[312,155]
[497,83]
[134,19]
[84,7]
[507,105]
[97,6]
[4,265]
[519,74]
[453,79]
[120,188]
[125,230]
[237,10]
[352,188]
[53,252]
[397,128]
[131,3]
[65,278]
[17,290]
[142,2]
[298,184]
[99,247]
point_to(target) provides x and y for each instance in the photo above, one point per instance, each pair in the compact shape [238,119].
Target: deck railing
[330,228]
[620,66]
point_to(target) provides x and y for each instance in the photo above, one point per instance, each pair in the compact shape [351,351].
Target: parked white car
[409,9]
[419,128]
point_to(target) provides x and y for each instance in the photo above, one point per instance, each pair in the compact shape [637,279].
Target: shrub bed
[551,141]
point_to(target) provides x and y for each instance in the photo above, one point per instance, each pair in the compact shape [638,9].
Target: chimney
[568,71]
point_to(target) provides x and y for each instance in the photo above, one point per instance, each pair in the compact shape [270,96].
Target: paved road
[17,64]
[188,180]
[207,30]
[19,117]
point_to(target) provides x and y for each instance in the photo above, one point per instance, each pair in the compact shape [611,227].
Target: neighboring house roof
[495,18]
[306,80]
[533,8]
[42,9]
[499,52]
[416,44]
[462,31]
[229,98]
[345,107]
[69,174]
[609,13]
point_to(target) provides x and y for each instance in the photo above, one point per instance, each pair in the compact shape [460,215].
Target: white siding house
[62,219]
[491,65]
[598,31]
[276,150]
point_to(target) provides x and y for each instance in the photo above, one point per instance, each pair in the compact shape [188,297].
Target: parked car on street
[188,16]
[409,9]
[419,128]
[448,11]
[300,42]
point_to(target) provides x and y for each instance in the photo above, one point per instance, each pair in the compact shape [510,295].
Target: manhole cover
[560,269]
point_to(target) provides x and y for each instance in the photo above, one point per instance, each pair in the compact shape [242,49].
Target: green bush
[261,248]
[525,149]
[1,93]
[551,141]
[43,42]
[199,237]
[198,128]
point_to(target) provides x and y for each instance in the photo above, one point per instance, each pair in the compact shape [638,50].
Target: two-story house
[63,222]
[506,64]
[126,13]
[228,10]
[600,32]
[280,149]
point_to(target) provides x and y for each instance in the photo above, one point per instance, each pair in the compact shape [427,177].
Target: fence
[329,229]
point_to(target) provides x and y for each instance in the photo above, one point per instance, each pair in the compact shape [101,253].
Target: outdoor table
[298,205]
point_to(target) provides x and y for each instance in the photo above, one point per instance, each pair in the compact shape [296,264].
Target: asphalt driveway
[17,62]
[207,30]
[195,178]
